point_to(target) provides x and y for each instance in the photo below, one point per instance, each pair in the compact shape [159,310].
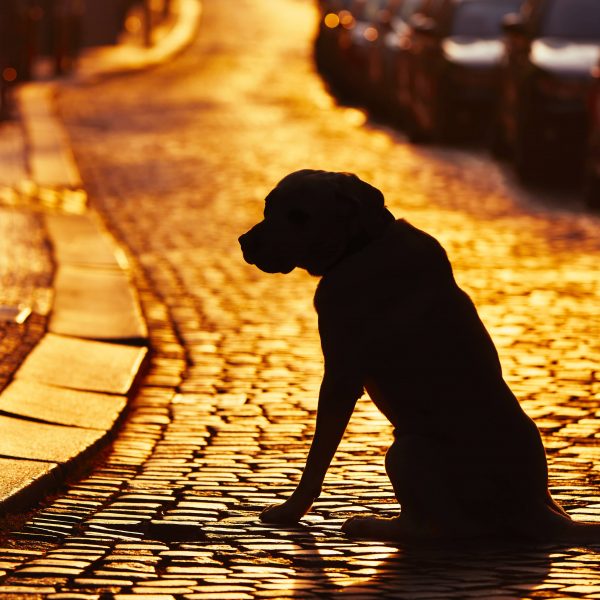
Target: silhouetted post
[147,22]
[59,37]
[10,50]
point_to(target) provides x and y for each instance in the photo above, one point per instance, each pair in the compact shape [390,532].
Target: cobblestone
[222,424]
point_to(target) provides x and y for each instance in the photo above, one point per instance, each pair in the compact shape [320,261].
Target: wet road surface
[178,161]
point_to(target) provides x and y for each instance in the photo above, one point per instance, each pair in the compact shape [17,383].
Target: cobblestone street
[177,161]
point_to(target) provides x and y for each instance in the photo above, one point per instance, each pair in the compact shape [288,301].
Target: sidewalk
[73,340]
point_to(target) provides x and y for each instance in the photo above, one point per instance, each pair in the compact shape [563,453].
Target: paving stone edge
[52,166]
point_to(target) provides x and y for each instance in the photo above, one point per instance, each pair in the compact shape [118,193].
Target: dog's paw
[373,528]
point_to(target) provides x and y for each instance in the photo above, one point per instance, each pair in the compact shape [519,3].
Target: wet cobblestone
[222,424]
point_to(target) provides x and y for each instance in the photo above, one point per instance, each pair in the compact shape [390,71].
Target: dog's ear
[362,201]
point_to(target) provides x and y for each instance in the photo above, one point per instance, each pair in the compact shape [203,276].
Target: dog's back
[394,313]
[407,316]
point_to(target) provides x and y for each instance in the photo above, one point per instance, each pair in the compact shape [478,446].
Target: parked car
[356,40]
[454,53]
[387,57]
[330,50]
[592,159]
[551,48]
[11,52]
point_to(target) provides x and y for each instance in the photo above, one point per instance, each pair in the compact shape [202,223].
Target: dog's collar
[363,238]
[357,243]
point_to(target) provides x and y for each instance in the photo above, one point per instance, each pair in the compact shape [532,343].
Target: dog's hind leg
[419,471]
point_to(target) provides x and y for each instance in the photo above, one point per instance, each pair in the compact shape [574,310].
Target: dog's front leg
[337,399]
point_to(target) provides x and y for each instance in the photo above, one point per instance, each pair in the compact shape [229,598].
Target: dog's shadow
[477,569]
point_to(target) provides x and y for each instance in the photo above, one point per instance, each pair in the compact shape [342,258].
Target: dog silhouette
[466,461]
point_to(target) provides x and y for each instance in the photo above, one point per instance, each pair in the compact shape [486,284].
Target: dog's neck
[364,237]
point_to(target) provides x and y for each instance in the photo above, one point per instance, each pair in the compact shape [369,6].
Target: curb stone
[71,391]
[73,388]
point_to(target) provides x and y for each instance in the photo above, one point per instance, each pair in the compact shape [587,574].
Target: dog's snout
[269,253]
[251,245]
[249,242]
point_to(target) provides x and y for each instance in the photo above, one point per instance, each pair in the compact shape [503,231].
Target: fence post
[147,22]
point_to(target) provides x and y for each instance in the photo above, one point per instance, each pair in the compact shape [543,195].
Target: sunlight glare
[9,74]
[370,34]
[133,24]
[331,20]
[355,117]
[346,19]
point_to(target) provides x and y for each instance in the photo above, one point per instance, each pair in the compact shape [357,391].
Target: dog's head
[312,219]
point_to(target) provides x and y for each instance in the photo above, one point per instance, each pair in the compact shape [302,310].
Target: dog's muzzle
[266,258]
[249,245]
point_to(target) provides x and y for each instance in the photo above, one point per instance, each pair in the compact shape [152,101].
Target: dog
[466,461]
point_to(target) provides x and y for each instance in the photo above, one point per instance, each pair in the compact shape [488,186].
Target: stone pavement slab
[76,240]
[33,400]
[50,159]
[18,476]
[95,304]
[20,438]
[83,364]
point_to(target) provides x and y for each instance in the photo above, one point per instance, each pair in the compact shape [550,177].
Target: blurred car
[454,53]
[551,48]
[387,57]
[592,159]
[357,36]
[332,40]
[11,52]
[357,44]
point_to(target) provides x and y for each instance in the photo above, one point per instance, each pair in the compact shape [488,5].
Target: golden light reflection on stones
[28,195]
[227,412]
